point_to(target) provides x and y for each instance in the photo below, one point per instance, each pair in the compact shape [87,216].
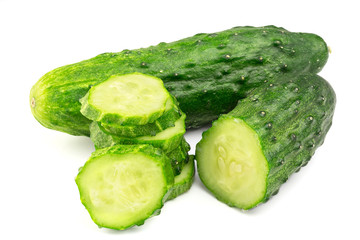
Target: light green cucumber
[168,119]
[129,99]
[167,140]
[123,185]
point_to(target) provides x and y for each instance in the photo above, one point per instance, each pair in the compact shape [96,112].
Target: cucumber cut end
[120,191]
[231,163]
[134,98]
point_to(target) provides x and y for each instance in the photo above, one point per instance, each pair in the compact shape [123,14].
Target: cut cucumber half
[179,157]
[231,163]
[167,140]
[168,119]
[124,185]
[248,153]
[130,99]
[183,182]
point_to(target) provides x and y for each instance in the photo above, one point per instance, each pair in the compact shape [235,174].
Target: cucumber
[179,157]
[168,119]
[124,185]
[183,182]
[167,140]
[207,73]
[247,154]
[130,99]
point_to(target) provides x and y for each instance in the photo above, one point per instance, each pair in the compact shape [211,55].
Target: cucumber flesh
[130,99]
[124,185]
[183,181]
[231,163]
[168,119]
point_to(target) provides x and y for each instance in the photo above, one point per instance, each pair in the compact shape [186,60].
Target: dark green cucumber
[247,154]
[207,73]
[124,185]
[171,115]
[183,181]
[167,140]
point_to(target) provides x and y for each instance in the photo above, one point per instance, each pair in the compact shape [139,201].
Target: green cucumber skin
[207,73]
[183,186]
[291,116]
[156,154]
[179,157]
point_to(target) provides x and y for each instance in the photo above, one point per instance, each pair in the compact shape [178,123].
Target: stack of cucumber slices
[141,158]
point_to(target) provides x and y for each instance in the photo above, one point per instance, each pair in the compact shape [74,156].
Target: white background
[38,195]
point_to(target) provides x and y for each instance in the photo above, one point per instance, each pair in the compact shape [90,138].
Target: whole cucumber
[207,73]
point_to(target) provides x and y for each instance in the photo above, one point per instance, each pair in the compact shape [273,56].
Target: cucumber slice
[179,157]
[134,99]
[168,119]
[183,182]
[167,140]
[231,164]
[124,185]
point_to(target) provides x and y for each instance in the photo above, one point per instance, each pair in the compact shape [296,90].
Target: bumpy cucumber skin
[179,157]
[207,73]
[156,154]
[291,117]
[186,183]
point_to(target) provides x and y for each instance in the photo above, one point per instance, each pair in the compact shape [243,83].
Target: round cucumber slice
[231,163]
[183,181]
[124,185]
[133,99]
[168,119]
[167,140]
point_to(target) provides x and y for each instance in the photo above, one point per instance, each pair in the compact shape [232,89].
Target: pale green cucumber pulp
[123,189]
[231,163]
[133,99]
